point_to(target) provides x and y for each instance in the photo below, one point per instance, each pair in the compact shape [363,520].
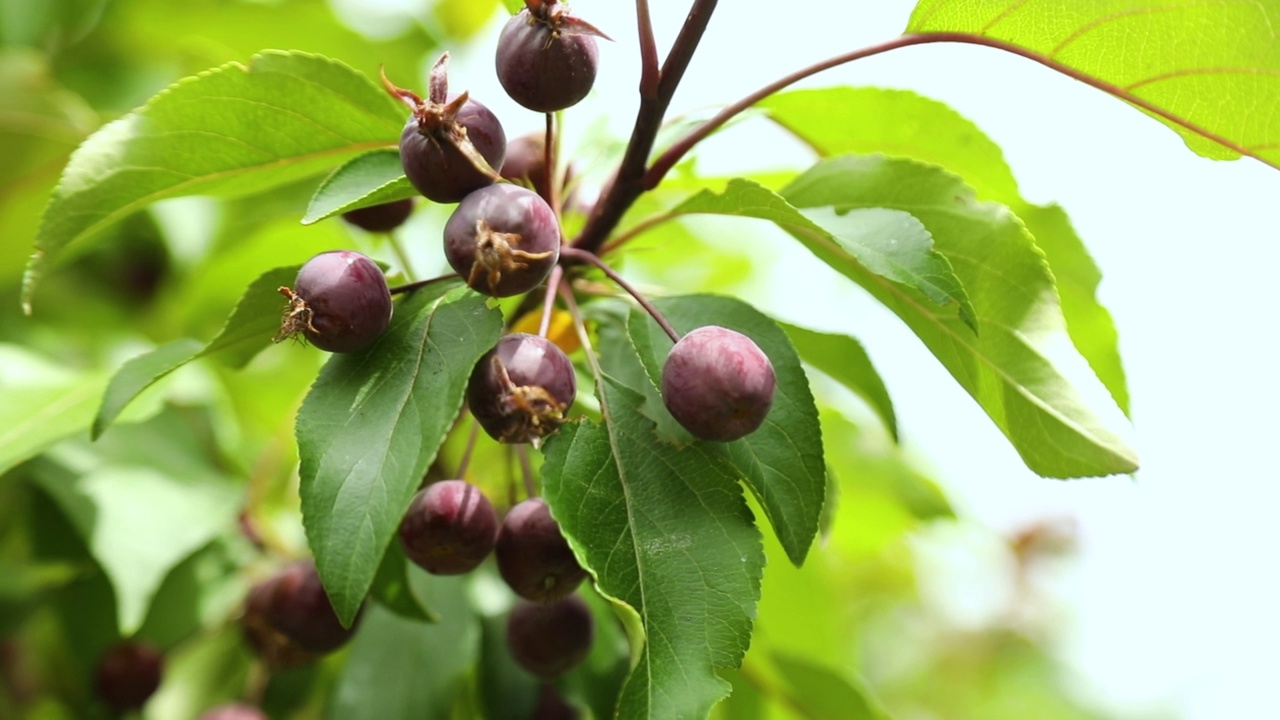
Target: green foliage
[371,426]
[208,484]
[1223,76]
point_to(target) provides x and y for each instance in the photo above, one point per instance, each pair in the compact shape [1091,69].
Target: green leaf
[820,692]
[887,242]
[140,523]
[666,531]
[373,178]
[1010,369]
[231,131]
[247,331]
[843,120]
[1214,67]
[844,360]
[781,462]
[391,587]
[373,422]
[33,417]
[401,669]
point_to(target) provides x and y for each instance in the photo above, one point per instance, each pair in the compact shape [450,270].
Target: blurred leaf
[781,462]
[462,20]
[391,586]
[18,582]
[844,360]
[199,593]
[819,692]
[865,465]
[401,669]
[1010,368]
[842,120]
[886,242]
[40,122]
[33,417]
[373,178]
[1214,65]
[251,324]
[666,531]
[513,6]
[207,671]
[48,23]
[231,131]
[373,423]
[139,524]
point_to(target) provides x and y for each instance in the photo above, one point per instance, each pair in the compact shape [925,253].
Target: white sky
[1175,600]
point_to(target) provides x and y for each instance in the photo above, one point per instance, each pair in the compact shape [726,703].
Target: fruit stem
[549,159]
[419,284]
[553,283]
[398,249]
[580,327]
[466,452]
[628,181]
[526,469]
[650,73]
[592,258]
[672,155]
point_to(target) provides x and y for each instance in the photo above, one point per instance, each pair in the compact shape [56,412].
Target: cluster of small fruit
[129,673]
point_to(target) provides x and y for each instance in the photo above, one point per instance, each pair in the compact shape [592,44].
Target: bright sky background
[1175,599]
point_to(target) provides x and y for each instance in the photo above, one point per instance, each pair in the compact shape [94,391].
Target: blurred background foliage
[905,611]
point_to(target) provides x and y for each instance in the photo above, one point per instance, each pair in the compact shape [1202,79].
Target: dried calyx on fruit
[451,145]
[547,58]
[503,240]
[450,528]
[340,302]
[718,384]
[521,389]
[533,557]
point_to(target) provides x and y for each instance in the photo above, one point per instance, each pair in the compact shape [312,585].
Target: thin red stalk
[466,452]
[549,159]
[668,159]
[553,283]
[592,258]
[526,469]
[584,337]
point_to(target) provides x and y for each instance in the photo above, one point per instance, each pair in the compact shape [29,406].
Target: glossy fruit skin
[381,218]
[345,303]
[275,648]
[503,240]
[297,606]
[548,639]
[438,169]
[450,528]
[128,674]
[521,390]
[543,67]
[234,711]
[533,557]
[718,384]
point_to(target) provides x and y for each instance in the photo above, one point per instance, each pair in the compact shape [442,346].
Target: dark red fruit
[381,218]
[718,384]
[128,674]
[273,646]
[448,140]
[526,165]
[547,639]
[298,607]
[450,528]
[234,711]
[520,391]
[533,556]
[547,59]
[340,302]
[503,240]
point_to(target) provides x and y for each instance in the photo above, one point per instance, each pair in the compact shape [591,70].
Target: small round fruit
[718,384]
[503,240]
[533,556]
[340,302]
[234,711]
[299,608]
[273,646]
[544,62]
[548,639]
[526,165]
[521,389]
[430,154]
[128,674]
[551,706]
[450,528]
[381,218]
